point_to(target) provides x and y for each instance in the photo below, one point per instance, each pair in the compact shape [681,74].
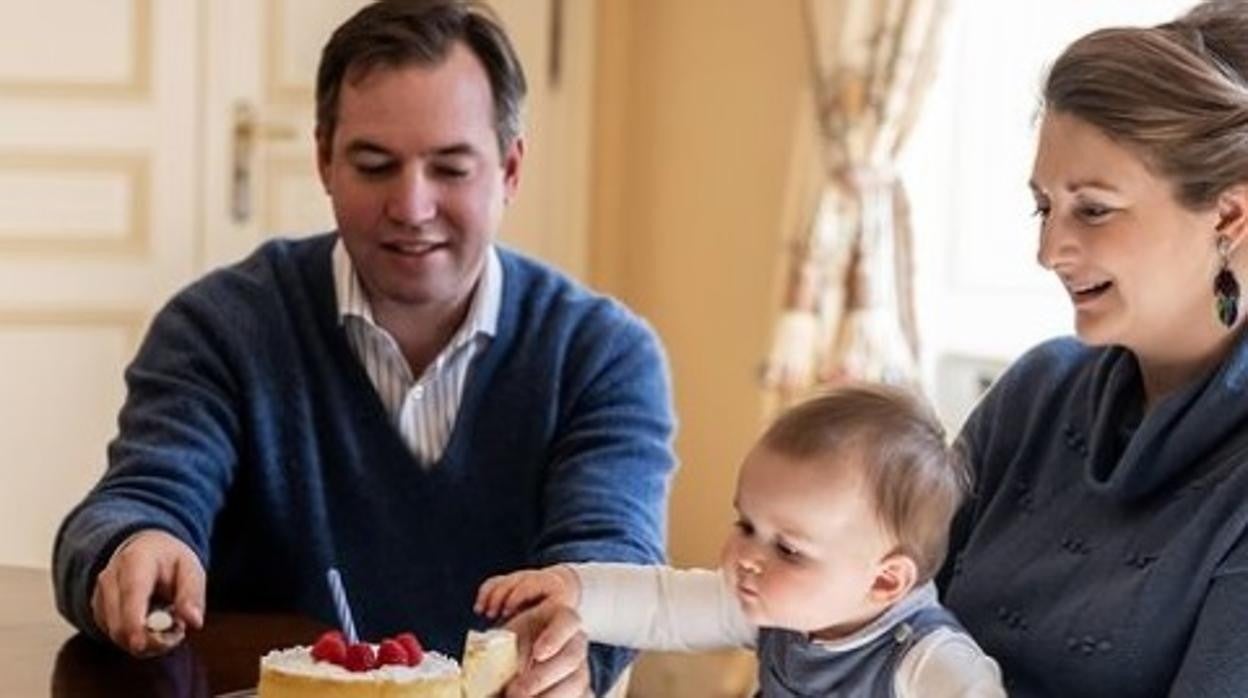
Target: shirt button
[418,392]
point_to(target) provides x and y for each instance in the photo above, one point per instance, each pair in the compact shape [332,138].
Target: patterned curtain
[848,304]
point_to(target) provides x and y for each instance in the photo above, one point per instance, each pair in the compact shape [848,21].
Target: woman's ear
[894,578]
[1232,207]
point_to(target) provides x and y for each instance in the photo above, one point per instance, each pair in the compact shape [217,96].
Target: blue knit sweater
[251,432]
[1105,550]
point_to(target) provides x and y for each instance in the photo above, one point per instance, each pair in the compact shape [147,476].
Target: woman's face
[1138,266]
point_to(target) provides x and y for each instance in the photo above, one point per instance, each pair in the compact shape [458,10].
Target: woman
[1104,553]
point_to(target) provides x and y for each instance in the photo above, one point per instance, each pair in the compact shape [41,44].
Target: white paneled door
[145,141]
[97,224]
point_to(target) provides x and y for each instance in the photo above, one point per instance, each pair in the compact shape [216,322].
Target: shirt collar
[482,318]
[920,597]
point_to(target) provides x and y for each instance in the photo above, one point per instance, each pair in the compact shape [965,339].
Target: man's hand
[505,595]
[150,568]
[554,653]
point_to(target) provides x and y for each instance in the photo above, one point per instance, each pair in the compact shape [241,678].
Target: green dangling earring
[1226,286]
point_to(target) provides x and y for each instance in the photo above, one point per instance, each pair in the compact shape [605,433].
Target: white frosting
[298,660]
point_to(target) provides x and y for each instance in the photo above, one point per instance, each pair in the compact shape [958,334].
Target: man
[402,400]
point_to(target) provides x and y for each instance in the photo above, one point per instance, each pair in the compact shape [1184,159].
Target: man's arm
[607,486]
[169,465]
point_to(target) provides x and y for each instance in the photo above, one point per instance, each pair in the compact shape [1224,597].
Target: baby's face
[806,548]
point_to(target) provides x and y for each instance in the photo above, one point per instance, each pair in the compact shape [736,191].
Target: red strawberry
[360,657]
[331,648]
[391,652]
[415,653]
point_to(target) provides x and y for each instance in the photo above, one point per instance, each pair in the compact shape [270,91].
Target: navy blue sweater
[1105,550]
[251,432]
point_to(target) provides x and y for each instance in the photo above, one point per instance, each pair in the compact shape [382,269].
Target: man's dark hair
[394,33]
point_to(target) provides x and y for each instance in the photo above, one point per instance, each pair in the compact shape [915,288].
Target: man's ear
[512,159]
[894,578]
[1232,205]
[324,153]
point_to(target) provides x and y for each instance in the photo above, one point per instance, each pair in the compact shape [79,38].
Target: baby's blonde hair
[916,481]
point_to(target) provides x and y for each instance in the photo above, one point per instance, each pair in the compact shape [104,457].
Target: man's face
[417,181]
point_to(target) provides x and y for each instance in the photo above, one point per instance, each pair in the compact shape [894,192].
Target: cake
[490,660]
[396,668]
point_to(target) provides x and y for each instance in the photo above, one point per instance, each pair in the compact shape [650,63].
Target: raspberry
[391,652]
[360,657]
[331,648]
[415,652]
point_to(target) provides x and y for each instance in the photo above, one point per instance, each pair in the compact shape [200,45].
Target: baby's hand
[504,595]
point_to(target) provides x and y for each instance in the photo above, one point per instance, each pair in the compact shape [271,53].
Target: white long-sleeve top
[660,608]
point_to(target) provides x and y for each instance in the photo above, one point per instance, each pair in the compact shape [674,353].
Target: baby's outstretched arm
[503,596]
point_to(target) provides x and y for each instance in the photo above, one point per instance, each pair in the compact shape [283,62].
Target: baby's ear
[894,578]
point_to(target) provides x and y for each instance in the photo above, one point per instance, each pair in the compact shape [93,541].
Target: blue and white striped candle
[341,605]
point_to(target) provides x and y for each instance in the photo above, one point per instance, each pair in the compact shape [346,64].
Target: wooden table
[41,655]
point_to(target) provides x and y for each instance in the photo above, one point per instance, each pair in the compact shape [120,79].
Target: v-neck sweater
[251,432]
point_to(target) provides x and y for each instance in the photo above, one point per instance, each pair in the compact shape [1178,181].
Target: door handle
[247,131]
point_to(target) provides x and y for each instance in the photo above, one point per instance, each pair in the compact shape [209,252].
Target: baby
[843,510]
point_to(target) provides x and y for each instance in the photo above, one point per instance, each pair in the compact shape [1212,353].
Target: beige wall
[696,106]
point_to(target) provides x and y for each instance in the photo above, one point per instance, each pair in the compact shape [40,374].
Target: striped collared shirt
[423,409]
